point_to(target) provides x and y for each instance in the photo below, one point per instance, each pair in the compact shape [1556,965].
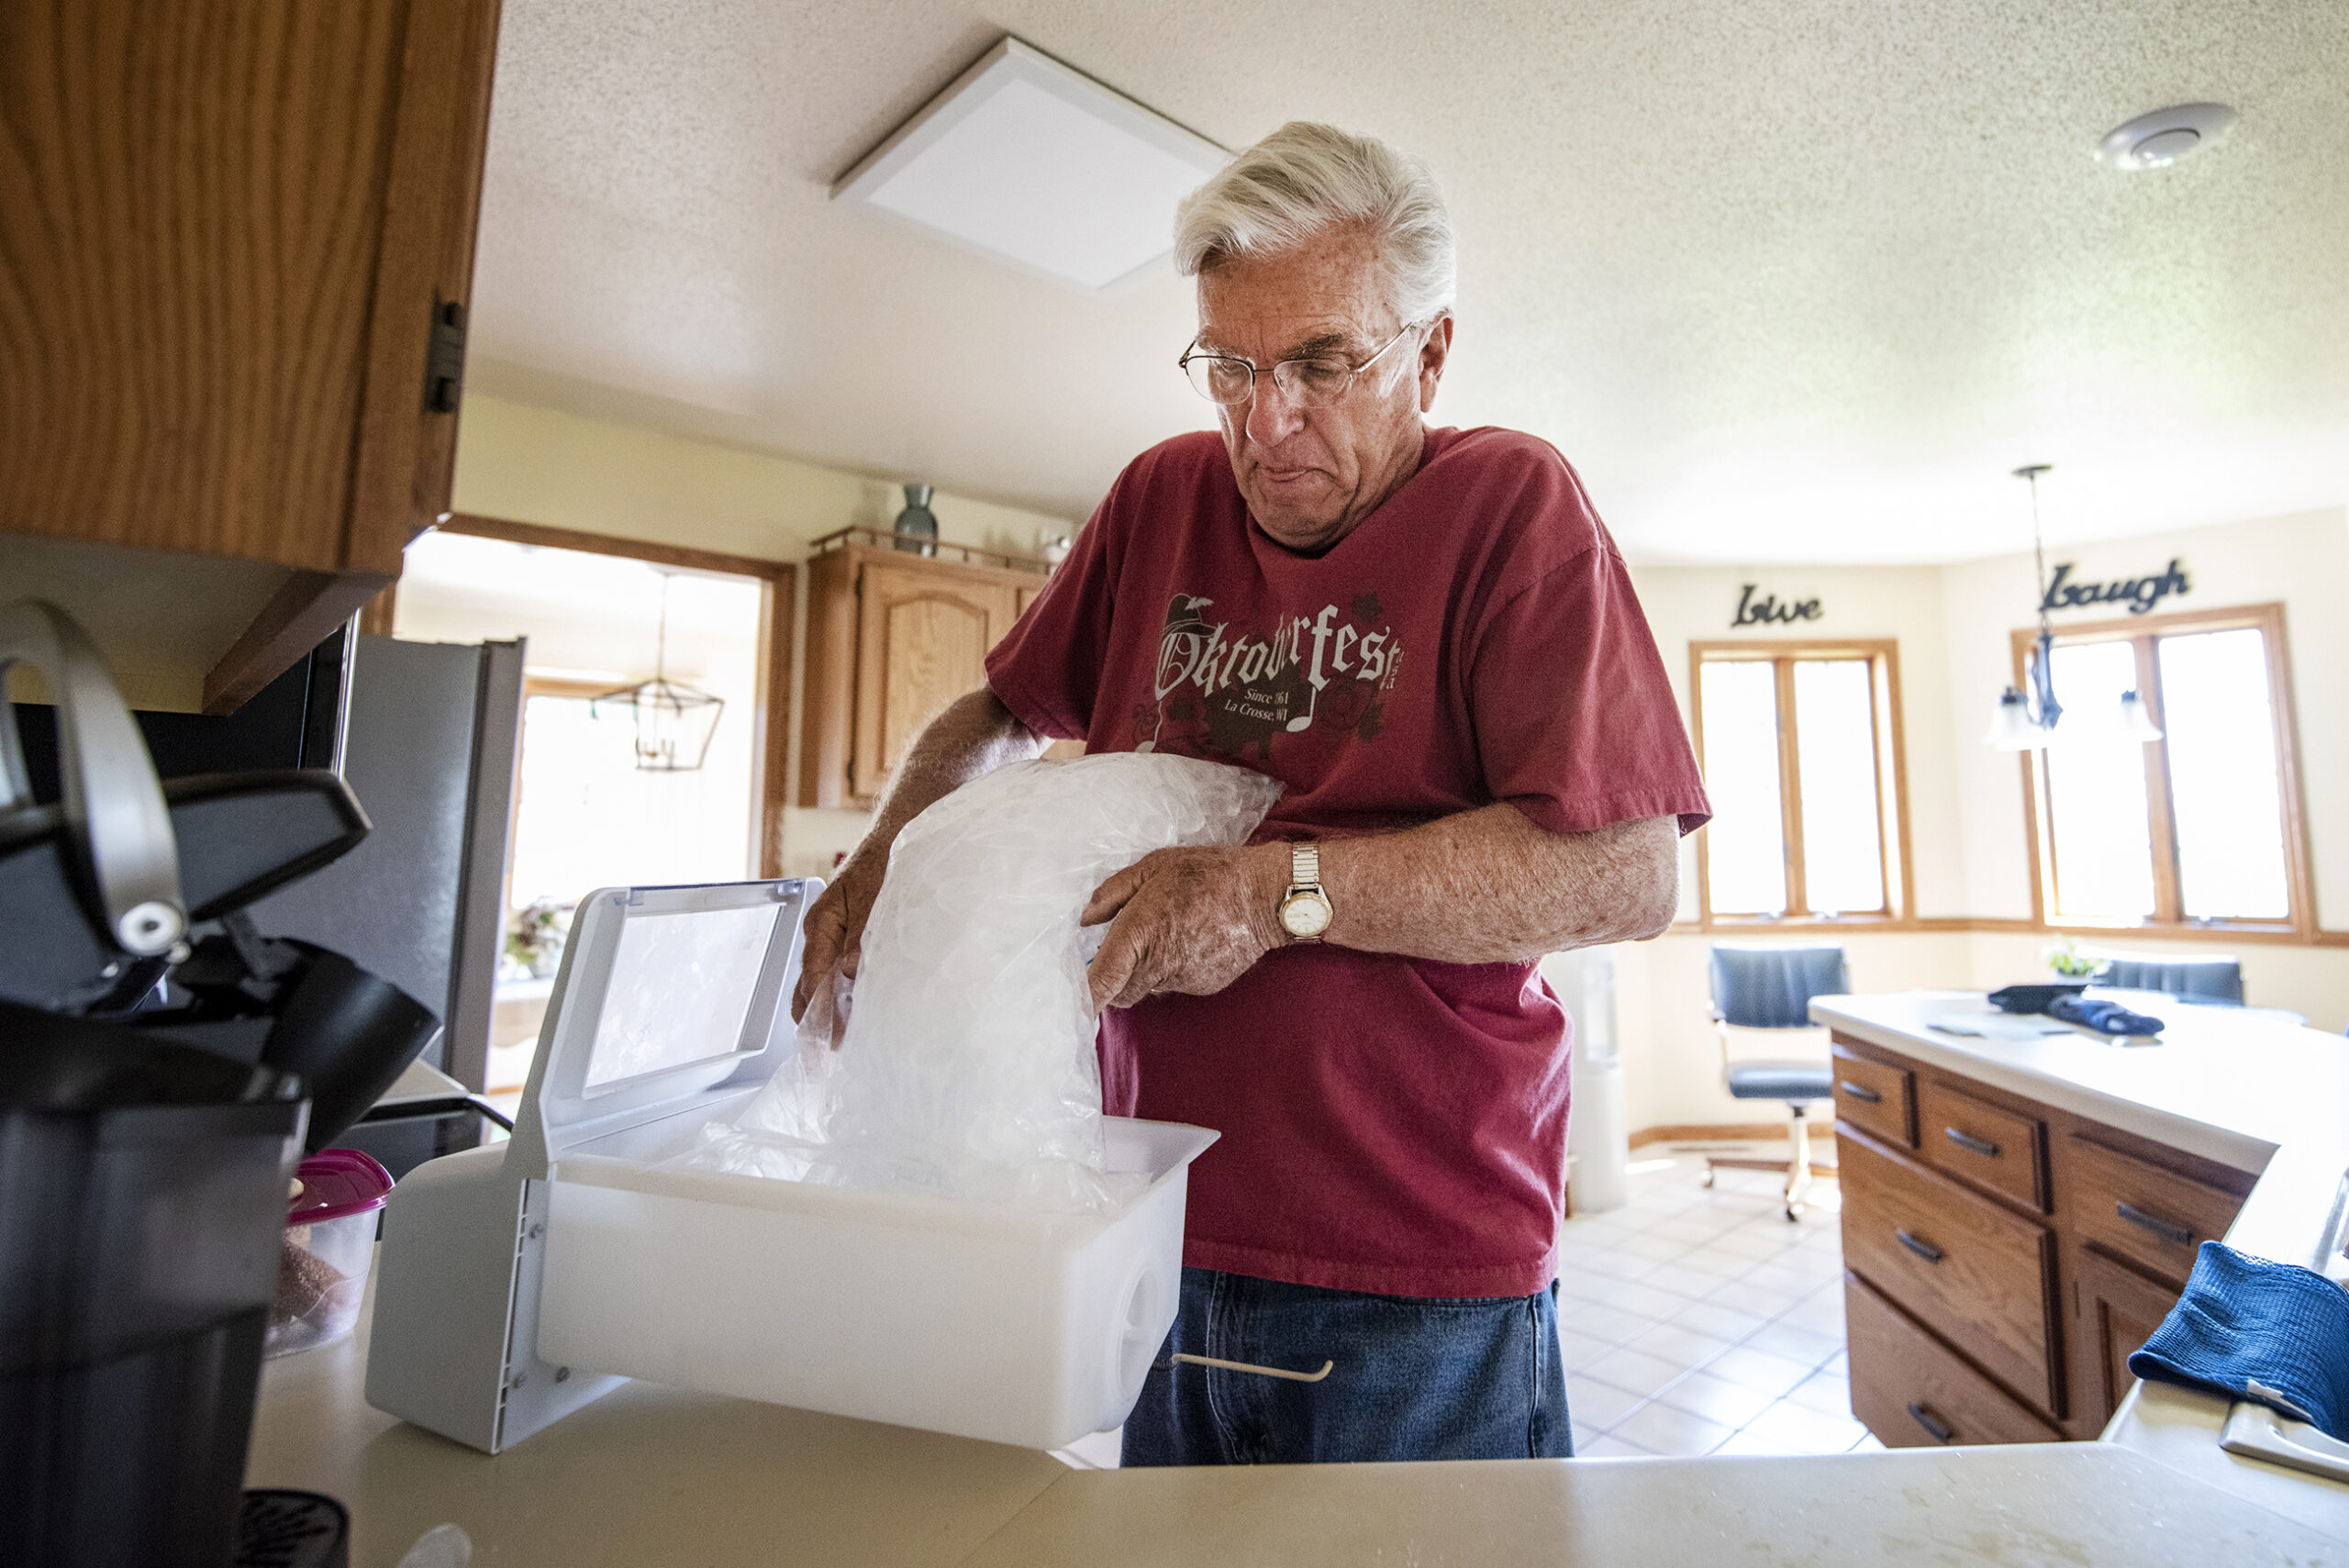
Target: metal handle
[1860,1092]
[1942,1430]
[1259,1371]
[1971,1144]
[1924,1249]
[2169,1230]
[118,828]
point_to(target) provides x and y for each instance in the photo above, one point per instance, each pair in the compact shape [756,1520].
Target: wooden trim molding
[1724,1132]
[302,614]
[685,558]
[2283,936]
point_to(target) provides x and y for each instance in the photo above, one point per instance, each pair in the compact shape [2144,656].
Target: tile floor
[1693,1321]
[1700,1321]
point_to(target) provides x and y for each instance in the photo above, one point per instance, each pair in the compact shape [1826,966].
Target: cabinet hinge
[444,365]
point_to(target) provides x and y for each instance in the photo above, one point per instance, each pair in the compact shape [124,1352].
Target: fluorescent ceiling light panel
[1030,162]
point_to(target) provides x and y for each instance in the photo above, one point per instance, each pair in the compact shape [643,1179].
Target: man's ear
[1433,352]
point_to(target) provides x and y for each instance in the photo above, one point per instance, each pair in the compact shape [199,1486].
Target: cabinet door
[2119,1310]
[226,230]
[922,640]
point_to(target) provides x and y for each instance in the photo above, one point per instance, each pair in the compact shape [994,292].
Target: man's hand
[834,928]
[1189,920]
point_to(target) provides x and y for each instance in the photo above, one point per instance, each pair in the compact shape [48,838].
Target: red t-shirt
[1389,1124]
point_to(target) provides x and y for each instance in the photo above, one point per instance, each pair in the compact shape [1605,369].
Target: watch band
[1304,865]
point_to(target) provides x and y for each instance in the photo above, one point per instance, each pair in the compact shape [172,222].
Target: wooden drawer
[1976,1141]
[1912,1390]
[2153,1218]
[1875,1097]
[1970,1271]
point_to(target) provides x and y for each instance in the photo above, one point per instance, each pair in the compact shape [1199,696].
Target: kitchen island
[651,1476]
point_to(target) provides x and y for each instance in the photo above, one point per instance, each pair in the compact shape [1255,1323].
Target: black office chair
[2206,980]
[1771,988]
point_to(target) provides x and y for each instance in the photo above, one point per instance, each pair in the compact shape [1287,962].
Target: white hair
[1306,179]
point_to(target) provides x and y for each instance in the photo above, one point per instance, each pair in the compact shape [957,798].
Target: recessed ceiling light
[2159,139]
[1032,163]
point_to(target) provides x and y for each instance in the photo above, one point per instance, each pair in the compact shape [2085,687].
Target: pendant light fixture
[673,723]
[2021,723]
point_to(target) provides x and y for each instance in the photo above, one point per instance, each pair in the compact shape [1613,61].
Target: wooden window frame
[2169,919]
[1892,784]
[770,703]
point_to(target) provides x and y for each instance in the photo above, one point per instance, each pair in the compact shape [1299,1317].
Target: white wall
[538,465]
[1967,828]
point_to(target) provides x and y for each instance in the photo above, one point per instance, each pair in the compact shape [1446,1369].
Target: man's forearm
[974,735]
[1487,886]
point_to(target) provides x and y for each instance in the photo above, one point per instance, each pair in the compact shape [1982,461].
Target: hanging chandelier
[673,723]
[2027,723]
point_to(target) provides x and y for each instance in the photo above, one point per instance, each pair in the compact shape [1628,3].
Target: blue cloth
[1771,987]
[1416,1378]
[2243,1320]
[2105,1017]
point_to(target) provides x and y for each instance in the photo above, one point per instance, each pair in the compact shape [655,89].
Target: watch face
[1305,915]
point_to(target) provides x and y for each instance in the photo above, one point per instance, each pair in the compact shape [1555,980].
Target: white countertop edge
[1981,1059]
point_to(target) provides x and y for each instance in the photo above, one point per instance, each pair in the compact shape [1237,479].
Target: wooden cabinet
[1912,1390]
[2003,1271]
[236,250]
[892,639]
[1975,1273]
[2119,1310]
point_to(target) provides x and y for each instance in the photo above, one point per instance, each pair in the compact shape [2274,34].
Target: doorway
[619,781]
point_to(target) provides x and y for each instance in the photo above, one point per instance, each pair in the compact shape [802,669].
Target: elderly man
[1428,635]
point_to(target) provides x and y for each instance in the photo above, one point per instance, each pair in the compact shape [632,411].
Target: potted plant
[2068,962]
[534,934]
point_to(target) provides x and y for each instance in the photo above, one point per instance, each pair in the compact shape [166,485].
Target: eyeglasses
[1312,383]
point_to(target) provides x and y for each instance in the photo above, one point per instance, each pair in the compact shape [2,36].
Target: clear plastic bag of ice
[967,1066]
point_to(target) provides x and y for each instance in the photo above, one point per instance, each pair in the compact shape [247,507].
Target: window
[2197,829]
[1801,744]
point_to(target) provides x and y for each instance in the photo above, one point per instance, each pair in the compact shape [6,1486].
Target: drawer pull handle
[1971,1144]
[1924,1249]
[1860,1092]
[2176,1235]
[1942,1430]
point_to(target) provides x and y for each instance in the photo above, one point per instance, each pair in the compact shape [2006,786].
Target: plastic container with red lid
[329,1246]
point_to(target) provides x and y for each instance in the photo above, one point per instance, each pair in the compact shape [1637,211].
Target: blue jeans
[1417,1377]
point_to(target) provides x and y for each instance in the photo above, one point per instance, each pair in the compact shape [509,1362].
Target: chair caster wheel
[1794,1211]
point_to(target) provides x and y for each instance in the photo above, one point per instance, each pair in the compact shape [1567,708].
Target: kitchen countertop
[650,1475]
[2256,1094]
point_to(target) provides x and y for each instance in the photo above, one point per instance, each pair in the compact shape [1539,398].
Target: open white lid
[669,999]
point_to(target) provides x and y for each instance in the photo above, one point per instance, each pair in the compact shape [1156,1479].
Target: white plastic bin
[517,1285]
[1016,1328]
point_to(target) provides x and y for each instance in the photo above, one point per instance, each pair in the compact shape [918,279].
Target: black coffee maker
[164,1066]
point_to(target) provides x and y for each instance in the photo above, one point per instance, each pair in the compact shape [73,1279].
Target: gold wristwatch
[1303,909]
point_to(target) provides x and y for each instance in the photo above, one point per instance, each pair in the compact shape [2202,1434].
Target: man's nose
[1273,416]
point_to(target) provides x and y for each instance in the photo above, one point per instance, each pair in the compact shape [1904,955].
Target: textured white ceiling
[1790,280]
